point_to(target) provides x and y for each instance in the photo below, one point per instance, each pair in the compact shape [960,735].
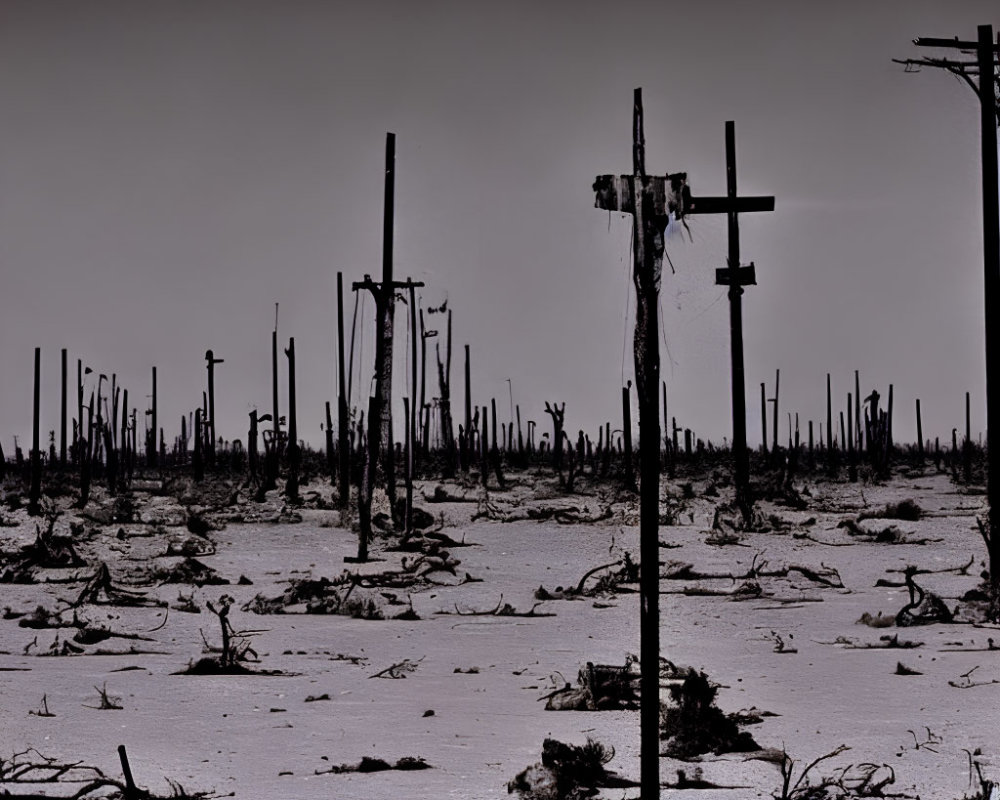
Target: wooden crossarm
[722,205]
[617,193]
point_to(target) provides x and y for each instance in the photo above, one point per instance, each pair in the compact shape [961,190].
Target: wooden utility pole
[763,420]
[34,502]
[984,66]
[920,435]
[412,413]
[735,277]
[650,200]
[468,398]
[776,449]
[62,414]
[424,408]
[151,453]
[384,294]
[273,456]
[211,361]
[294,454]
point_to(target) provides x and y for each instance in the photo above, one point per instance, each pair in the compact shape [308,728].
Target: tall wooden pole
[857,413]
[646,276]
[920,435]
[991,265]
[152,450]
[829,419]
[343,451]
[986,47]
[468,397]
[62,413]
[412,415]
[386,311]
[741,465]
[967,444]
[424,444]
[36,455]
[294,454]
[763,419]
[275,419]
[774,424]
[211,361]
[78,438]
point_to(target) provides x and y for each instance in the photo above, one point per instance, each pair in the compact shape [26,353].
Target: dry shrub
[695,725]
[905,510]
[566,772]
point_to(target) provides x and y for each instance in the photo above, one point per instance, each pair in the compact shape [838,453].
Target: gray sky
[169,171]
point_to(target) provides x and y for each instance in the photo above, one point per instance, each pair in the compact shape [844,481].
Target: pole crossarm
[954,44]
[723,205]
[377,288]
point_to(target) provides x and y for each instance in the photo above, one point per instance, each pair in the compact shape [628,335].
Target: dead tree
[294,453]
[558,414]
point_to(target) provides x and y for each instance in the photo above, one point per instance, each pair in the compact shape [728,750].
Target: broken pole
[829,418]
[36,455]
[274,455]
[920,435]
[468,396]
[857,413]
[131,793]
[774,427]
[294,453]
[151,440]
[852,464]
[62,414]
[211,361]
[78,431]
[412,414]
[967,444]
[763,420]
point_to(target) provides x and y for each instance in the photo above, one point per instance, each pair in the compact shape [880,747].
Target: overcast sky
[170,171]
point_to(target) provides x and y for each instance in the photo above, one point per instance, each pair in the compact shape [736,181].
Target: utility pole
[984,67]
[650,200]
[62,414]
[736,277]
[211,361]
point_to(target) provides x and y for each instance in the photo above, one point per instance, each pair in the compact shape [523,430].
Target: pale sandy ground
[256,737]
